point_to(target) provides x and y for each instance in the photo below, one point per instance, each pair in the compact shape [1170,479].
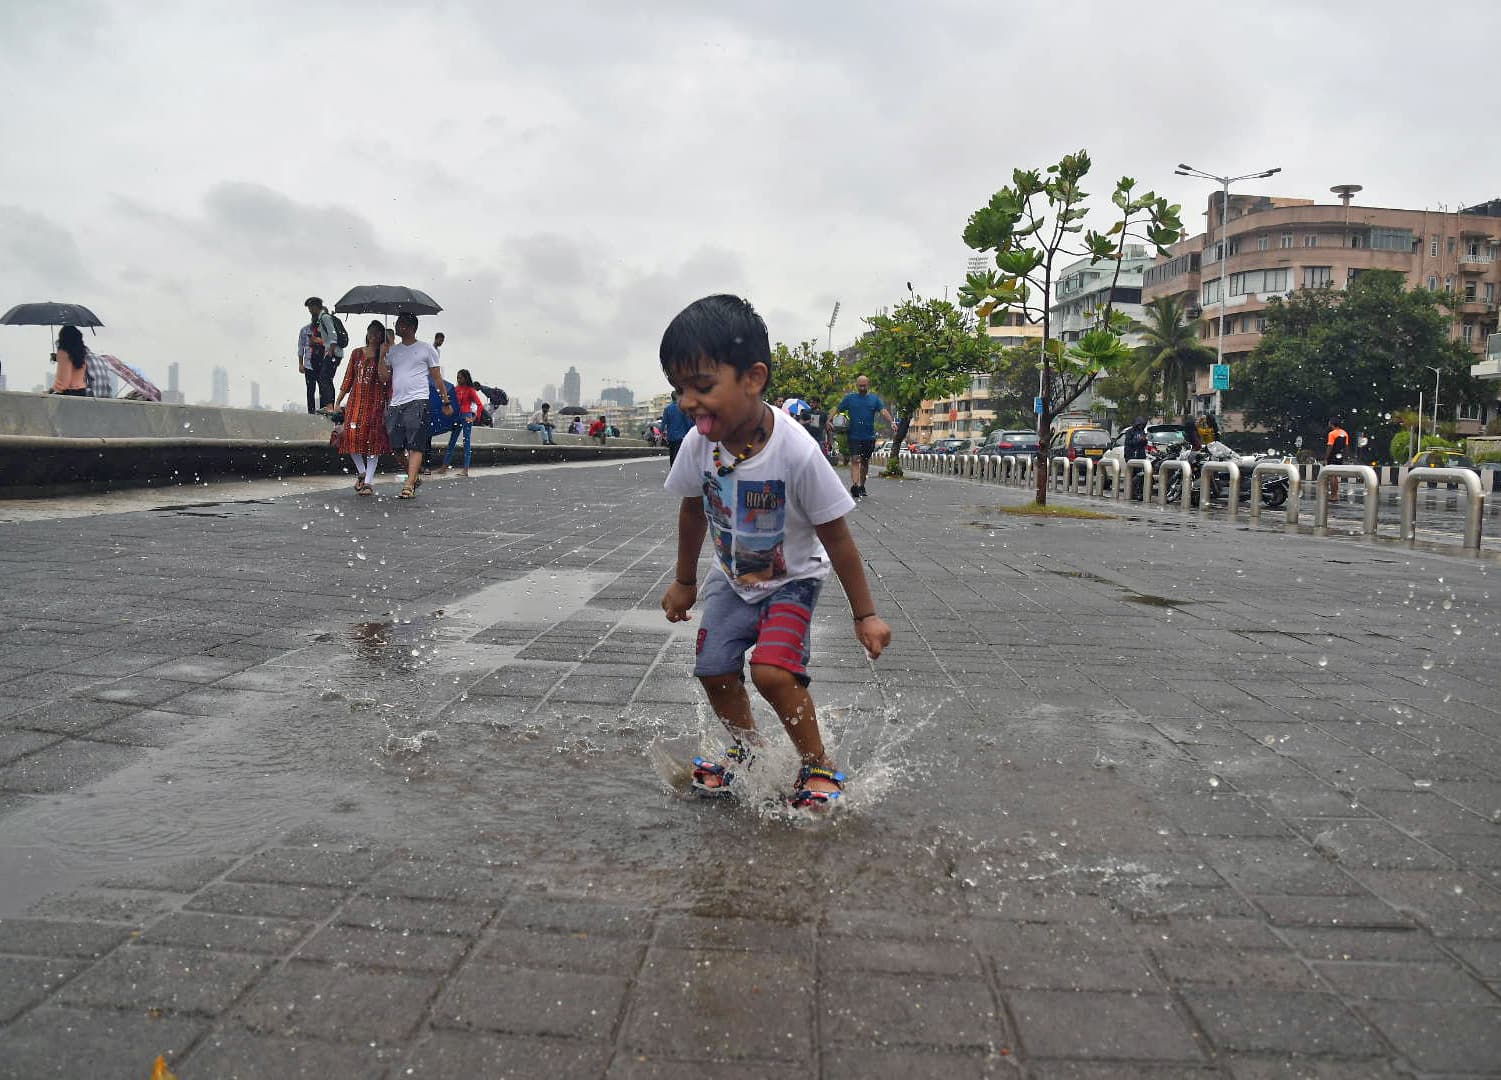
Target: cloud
[42,257]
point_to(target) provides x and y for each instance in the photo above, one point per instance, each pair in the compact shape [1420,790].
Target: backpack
[341,335]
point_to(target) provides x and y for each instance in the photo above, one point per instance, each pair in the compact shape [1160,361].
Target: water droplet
[1214,781]
[1427,663]
[1422,784]
[1323,661]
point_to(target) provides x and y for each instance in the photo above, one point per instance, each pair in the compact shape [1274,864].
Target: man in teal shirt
[862,407]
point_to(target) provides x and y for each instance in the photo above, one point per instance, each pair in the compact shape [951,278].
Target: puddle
[1153,601]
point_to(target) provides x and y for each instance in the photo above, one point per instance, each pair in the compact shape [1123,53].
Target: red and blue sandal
[804,799]
[737,756]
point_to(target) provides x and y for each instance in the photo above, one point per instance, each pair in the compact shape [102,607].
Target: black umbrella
[573,410]
[386,300]
[50,314]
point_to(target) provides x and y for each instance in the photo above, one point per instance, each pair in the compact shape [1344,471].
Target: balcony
[1486,369]
[1473,305]
[1475,264]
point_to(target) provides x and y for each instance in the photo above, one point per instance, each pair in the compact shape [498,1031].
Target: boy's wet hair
[720,329]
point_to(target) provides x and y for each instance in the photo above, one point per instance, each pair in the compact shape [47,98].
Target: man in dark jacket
[1135,444]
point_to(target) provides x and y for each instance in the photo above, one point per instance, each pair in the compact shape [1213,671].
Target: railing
[1475,260]
[1294,494]
[1072,480]
[1185,472]
[1208,471]
[1363,473]
[1474,505]
[1143,466]
[1097,480]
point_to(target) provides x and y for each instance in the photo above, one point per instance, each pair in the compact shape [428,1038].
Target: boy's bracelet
[687,584]
[867,615]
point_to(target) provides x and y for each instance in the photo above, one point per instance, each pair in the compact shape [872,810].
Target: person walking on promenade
[326,352]
[471,410]
[72,358]
[438,339]
[306,366]
[777,513]
[1337,446]
[363,398]
[408,365]
[541,423]
[1134,444]
[675,427]
[862,407]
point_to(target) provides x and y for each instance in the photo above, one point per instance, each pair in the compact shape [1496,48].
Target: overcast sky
[564,177]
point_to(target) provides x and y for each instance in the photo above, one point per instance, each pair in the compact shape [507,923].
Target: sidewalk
[319,786]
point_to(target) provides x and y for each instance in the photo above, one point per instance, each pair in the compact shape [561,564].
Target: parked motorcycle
[1274,489]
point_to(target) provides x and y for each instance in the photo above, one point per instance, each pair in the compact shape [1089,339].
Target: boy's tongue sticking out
[704,424]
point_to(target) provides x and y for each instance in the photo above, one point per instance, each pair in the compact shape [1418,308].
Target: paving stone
[519,680]
[877,1009]
[427,916]
[242,1055]
[857,1063]
[525,1001]
[1226,969]
[170,979]
[325,1001]
[225,933]
[400,950]
[197,669]
[106,905]
[563,952]
[576,917]
[1196,933]
[1451,904]
[1074,971]
[1117,1026]
[1225,815]
[16,743]
[1420,982]
[692,1004]
[59,938]
[1361,944]
[1266,1021]
[423,879]
[101,1044]
[281,901]
[1483,956]
[141,691]
[450,1054]
[148,727]
[1443,1037]
[66,765]
[601,691]
[1119,1070]
[27,980]
[901,957]
[1278,866]
[179,875]
[1364,912]
[1373,844]
[304,866]
[705,932]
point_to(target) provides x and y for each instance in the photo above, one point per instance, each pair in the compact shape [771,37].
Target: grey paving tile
[322,1001]
[1279,1021]
[1114,1026]
[168,979]
[563,952]
[27,980]
[236,1054]
[66,765]
[102,1044]
[426,916]
[859,1063]
[505,1057]
[528,1001]
[1442,1037]
[280,901]
[59,938]
[304,866]
[226,933]
[877,1009]
[398,950]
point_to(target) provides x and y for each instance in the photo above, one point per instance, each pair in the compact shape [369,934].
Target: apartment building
[967,414]
[1272,245]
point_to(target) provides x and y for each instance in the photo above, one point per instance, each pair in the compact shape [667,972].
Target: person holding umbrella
[363,398]
[72,364]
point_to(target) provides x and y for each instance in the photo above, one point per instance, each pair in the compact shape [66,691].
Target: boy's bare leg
[730,702]
[794,705]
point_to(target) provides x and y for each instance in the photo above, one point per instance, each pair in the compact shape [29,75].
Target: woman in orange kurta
[363,398]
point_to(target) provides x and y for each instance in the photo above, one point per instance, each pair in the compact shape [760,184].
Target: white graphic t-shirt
[762,514]
[409,364]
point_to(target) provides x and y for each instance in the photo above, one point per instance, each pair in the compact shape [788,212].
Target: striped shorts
[775,631]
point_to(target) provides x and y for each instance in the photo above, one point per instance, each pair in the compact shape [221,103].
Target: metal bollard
[1294,487]
[1073,482]
[1097,482]
[1185,470]
[1057,473]
[1143,466]
[1207,470]
[1355,472]
[1474,503]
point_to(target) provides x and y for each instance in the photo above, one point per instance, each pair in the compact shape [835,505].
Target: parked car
[1021,443]
[1442,459]
[950,446]
[1076,442]
[1159,437]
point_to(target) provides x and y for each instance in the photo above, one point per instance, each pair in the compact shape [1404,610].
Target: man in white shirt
[325,349]
[541,423]
[409,364]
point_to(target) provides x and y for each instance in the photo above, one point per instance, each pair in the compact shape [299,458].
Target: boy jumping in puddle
[752,476]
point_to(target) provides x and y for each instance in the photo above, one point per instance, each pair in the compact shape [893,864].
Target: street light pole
[1435,398]
[1224,182]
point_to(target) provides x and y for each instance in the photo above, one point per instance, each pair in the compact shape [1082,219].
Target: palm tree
[1170,351]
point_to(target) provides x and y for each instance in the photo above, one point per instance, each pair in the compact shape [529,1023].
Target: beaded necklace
[758,439]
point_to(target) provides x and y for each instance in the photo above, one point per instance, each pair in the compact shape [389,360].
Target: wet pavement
[309,785]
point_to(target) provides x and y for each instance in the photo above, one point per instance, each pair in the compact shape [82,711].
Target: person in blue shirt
[862,407]
[675,425]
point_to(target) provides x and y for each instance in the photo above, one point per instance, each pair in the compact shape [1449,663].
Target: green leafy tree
[1170,353]
[1362,354]
[805,371]
[921,349]
[1013,385]
[1030,225]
